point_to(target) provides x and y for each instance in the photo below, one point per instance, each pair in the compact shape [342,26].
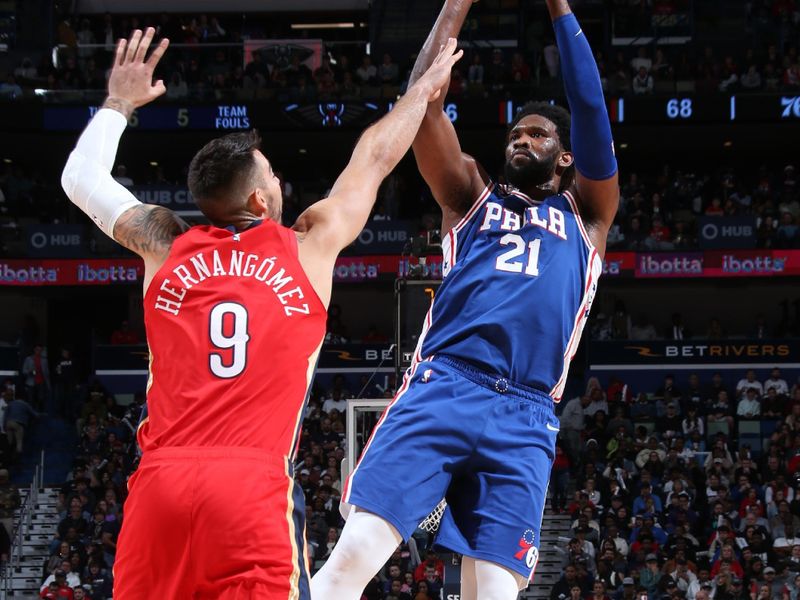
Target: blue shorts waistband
[495,383]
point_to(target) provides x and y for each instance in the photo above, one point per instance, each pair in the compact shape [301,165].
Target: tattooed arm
[146,230]
[149,230]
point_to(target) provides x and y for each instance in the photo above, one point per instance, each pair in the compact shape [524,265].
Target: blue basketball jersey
[519,280]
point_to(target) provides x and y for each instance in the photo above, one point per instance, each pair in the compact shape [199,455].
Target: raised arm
[144,229]
[454,178]
[333,223]
[592,145]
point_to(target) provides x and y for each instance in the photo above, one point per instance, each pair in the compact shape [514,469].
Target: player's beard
[275,209]
[276,212]
[533,173]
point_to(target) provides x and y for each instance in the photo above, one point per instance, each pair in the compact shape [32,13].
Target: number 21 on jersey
[510,261]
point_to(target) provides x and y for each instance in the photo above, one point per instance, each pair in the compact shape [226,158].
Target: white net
[432,521]
[361,417]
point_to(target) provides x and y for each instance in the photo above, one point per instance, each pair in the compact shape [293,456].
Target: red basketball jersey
[234,329]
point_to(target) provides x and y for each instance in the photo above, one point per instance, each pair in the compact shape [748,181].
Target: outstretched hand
[437,77]
[131,79]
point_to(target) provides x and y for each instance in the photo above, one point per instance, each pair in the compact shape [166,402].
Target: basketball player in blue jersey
[473,421]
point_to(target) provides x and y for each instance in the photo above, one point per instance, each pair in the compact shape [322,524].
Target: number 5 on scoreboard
[236,342]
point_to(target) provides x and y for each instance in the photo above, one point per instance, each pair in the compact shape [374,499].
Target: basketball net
[432,521]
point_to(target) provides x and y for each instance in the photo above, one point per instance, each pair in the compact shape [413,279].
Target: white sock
[495,582]
[366,544]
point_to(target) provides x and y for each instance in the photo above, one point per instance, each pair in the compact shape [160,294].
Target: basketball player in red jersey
[235,315]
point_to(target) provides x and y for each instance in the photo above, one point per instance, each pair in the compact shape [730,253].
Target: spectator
[9,502]
[37,377]
[598,591]
[791,76]
[367,73]
[641,61]
[177,88]
[620,322]
[642,82]
[85,38]
[388,73]
[749,406]
[788,233]
[80,594]
[643,330]
[730,75]
[18,416]
[715,331]
[520,71]
[643,501]
[671,424]
[433,561]
[572,421]
[559,477]
[497,71]
[749,381]
[552,59]
[775,381]
[677,331]
[61,576]
[66,384]
[61,555]
[751,80]
[715,208]
[650,576]
[10,89]
[57,590]
[692,423]
[335,402]
[475,73]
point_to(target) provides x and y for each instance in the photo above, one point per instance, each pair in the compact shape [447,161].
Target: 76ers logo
[528,552]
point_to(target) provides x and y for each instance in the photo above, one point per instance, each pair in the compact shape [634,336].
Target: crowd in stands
[691,492]
[91,500]
[618,324]
[204,70]
[659,211]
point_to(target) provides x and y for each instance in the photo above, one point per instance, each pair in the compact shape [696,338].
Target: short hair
[222,167]
[558,115]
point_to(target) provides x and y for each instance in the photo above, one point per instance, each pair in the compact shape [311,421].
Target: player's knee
[496,582]
[345,557]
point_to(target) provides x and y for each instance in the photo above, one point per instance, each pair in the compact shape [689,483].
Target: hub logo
[712,231]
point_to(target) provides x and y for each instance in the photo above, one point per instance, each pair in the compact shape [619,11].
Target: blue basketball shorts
[483,443]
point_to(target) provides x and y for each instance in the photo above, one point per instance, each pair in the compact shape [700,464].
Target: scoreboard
[749,108]
[463,112]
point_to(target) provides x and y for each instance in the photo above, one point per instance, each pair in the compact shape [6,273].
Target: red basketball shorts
[210,523]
